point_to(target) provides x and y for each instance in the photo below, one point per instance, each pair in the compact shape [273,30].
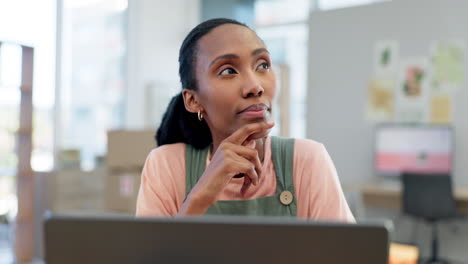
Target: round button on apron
[286,197]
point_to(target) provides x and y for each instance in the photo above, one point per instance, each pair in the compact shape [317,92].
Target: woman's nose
[252,87]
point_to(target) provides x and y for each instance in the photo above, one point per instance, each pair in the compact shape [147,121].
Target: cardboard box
[98,191]
[127,150]
[76,190]
[69,159]
[122,191]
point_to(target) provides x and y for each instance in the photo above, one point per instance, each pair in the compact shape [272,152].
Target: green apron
[283,203]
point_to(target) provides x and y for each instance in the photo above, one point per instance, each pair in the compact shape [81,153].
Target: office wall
[341,63]
[156,29]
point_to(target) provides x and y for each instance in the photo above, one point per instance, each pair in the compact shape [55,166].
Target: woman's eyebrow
[259,50]
[225,56]
[234,56]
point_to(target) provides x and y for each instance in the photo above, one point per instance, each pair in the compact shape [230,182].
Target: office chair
[429,196]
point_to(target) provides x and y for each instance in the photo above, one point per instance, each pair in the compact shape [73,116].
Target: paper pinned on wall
[441,108]
[386,58]
[380,99]
[448,65]
[412,93]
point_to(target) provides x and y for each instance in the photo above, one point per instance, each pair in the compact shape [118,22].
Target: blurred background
[84,84]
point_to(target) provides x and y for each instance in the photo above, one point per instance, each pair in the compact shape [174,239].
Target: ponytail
[179,125]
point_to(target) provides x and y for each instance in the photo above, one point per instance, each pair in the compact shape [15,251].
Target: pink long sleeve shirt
[316,184]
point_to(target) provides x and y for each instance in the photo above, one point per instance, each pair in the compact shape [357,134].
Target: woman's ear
[191,101]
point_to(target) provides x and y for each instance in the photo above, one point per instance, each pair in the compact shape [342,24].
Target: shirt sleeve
[162,188]
[318,190]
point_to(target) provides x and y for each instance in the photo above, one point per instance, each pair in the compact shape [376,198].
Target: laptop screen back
[75,240]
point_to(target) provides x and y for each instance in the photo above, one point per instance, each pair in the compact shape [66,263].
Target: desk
[384,195]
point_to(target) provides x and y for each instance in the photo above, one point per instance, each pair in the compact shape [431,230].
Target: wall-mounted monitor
[413,148]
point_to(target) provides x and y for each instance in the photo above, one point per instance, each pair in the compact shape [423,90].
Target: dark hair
[179,125]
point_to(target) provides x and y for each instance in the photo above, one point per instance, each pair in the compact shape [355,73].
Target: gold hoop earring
[200,116]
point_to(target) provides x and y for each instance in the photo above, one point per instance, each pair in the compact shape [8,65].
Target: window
[33,26]
[93,75]
[269,12]
[334,4]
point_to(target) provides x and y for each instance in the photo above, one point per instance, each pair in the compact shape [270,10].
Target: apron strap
[282,152]
[195,164]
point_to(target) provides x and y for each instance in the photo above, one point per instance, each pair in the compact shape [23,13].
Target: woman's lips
[254,111]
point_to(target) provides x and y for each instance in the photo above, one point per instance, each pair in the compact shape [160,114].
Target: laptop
[209,240]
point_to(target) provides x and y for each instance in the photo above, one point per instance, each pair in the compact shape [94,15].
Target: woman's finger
[244,166]
[249,130]
[250,154]
[245,185]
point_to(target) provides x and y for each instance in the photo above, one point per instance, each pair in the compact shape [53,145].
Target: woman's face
[236,84]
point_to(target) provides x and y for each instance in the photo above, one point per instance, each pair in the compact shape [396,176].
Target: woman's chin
[259,135]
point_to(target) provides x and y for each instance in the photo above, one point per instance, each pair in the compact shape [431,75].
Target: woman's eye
[227,71]
[264,66]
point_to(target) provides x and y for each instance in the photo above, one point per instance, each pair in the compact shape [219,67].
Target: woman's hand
[235,155]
